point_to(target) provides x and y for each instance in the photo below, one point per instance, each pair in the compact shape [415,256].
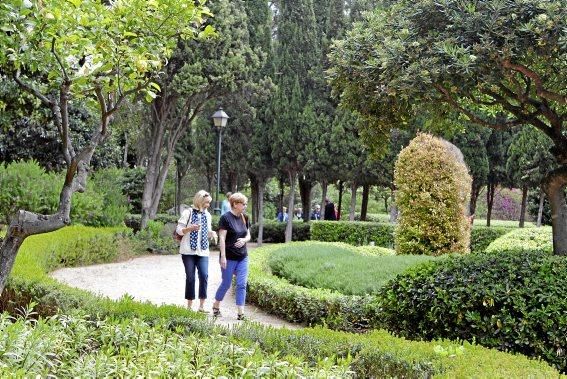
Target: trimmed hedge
[361,233]
[510,301]
[375,354]
[524,239]
[274,232]
[482,236]
[354,232]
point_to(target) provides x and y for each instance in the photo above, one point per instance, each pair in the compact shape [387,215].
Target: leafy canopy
[86,43]
[500,62]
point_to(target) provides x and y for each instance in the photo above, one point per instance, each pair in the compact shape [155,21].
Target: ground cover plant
[77,346]
[374,354]
[339,268]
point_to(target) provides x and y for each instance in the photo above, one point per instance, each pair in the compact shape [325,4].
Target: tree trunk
[540,209]
[490,190]
[261,186]
[340,206]
[393,207]
[324,185]
[352,210]
[125,155]
[290,205]
[25,223]
[475,193]
[364,205]
[554,187]
[523,208]
[305,187]
[255,192]
[281,194]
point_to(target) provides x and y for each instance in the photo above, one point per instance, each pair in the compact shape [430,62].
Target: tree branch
[540,90]
[32,90]
[66,78]
[474,118]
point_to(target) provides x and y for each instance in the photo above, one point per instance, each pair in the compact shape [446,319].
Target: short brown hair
[236,198]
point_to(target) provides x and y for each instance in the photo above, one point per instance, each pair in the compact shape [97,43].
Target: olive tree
[93,52]
[500,64]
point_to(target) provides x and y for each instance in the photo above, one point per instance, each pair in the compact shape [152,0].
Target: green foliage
[510,301]
[103,203]
[355,233]
[382,234]
[82,251]
[482,236]
[133,187]
[76,346]
[376,352]
[156,237]
[338,268]
[520,240]
[25,185]
[274,232]
[433,185]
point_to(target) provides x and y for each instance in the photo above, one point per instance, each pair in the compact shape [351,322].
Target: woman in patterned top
[233,233]
[195,227]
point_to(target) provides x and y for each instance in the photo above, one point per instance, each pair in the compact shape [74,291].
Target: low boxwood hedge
[274,232]
[382,234]
[506,300]
[522,239]
[354,232]
[374,354]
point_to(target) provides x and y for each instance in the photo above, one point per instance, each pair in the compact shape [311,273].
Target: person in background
[282,215]
[298,213]
[330,210]
[195,227]
[234,233]
[225,207]
[316,214]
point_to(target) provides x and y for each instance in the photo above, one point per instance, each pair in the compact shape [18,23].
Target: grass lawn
[339,269]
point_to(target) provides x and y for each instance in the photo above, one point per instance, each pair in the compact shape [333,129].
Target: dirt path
[159,279]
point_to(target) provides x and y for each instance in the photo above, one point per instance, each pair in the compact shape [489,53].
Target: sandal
[201,310]
[216,312]
[242,317]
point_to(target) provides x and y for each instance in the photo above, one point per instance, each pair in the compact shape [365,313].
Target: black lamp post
[220,118]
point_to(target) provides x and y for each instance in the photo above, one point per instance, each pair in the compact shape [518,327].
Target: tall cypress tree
[296,50]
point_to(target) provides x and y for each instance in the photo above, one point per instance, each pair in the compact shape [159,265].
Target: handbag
[176,236]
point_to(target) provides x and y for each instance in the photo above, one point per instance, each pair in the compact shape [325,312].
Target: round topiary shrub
[433,186]
[508,300]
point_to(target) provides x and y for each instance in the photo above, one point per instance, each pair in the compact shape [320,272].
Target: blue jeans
[202,264]
[240,269]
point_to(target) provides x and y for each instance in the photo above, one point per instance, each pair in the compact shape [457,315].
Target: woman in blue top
[195,227]
[233,235]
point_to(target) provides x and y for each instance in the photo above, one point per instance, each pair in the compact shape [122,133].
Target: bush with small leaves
[433,186]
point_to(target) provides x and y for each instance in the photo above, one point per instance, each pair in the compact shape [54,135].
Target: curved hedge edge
[523,239]
[303,305]
[441,357]
[375,352]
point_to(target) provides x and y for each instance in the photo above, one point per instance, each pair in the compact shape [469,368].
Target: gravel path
[159,279]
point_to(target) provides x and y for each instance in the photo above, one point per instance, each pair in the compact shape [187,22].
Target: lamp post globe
[220,119]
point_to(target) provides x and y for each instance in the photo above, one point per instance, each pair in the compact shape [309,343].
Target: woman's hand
[222,261]
[240,242]
[191,228]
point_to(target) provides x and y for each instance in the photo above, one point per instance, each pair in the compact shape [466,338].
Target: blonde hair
[200,199]
[236,198]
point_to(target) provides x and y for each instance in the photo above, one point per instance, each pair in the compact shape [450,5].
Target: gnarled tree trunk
[554,186]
